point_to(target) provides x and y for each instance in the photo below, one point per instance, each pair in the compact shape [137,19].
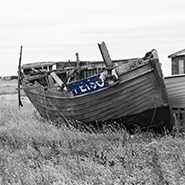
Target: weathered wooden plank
[108,101]
[120,104]
[39,76]
[51,82]
[116,105]
[176,91]
[57,79]
[131,110]
[37,65]
[105,54]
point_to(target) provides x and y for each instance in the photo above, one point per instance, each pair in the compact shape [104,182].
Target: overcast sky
[54,30]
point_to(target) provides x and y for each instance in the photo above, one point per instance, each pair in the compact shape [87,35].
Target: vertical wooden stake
[78,66]
[105,54]
[19,80]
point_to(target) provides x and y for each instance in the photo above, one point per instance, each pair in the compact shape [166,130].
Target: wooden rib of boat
[130,93]
[175,86]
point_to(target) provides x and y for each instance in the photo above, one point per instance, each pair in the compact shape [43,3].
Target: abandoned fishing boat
[129,93]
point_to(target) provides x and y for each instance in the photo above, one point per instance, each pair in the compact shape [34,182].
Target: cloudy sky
[54,30]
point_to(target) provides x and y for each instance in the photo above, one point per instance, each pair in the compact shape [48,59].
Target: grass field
[34,151]
[8,87]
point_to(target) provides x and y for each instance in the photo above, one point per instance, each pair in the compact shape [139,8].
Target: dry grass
[9,87]
[34,151]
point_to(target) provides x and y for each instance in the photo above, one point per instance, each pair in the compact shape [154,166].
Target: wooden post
[105,55]
[19,79]
[69,62]
[78,65]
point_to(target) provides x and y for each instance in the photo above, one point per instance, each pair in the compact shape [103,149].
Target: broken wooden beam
[105,55]
[57,79]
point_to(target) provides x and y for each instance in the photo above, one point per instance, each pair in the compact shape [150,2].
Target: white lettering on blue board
[87,85]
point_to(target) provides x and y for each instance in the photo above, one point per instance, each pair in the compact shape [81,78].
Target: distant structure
[14,77]
[8,78]
[175,86]
[178,62]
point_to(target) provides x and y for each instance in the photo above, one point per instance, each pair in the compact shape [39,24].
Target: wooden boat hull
[175,86]
[139,98]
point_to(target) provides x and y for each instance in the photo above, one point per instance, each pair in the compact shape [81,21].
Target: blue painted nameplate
[87,85]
